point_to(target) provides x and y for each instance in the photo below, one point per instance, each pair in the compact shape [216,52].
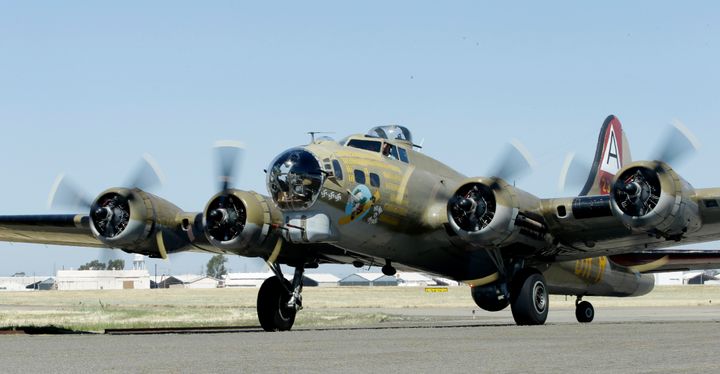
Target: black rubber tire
[585,312]
[530,301]
[273,313]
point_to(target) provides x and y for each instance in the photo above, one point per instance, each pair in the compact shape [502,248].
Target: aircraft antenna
[313,133]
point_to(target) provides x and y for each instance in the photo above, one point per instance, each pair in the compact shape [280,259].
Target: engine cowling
[241,222]
[130,219]
[652,197]
[489,213]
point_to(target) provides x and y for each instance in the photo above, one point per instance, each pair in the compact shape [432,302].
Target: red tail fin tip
[613,152]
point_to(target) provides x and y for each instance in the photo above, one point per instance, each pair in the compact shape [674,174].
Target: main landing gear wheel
[272,305]
[530,301]
[584,312]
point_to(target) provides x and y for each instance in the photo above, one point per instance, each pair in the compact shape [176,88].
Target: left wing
[66,229]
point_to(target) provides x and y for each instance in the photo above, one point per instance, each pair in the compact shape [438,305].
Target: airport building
[23,283]
[320,280]
[246,280]
[76,280]
[680,278]
[415,280]
[250,280]
[191,281]
[368,280]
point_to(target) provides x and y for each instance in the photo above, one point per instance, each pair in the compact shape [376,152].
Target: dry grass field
[100,310]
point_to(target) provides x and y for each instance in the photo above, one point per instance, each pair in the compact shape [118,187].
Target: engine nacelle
[241,222]
[130,219]
[652,197]
[489,213]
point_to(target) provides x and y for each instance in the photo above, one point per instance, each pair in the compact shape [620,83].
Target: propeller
[677,144]
[473,207]
[515,162]
[638,192]
[227,216]
[113,212]
[228,154]
[574,173]
[65,193]
[147,174]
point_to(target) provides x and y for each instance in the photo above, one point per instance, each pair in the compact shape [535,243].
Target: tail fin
[613,152]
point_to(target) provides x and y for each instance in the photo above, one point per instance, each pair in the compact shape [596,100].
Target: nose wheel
[272,309]
[279,301]
[584,311]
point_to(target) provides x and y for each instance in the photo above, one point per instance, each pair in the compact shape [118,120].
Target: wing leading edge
[65,229]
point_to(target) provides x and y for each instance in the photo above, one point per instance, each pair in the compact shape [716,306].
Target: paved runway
[671,340]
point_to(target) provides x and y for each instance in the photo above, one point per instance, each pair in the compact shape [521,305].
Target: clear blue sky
[87,87]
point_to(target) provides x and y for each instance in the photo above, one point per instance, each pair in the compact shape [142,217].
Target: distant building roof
[413,277]
[354,280]
[246,279]
[21,283]
[385,280]
[187,281]
[370,276]
[446,282]
[101,273]
[244,276]
[192,278]
[692,274]
[323,278]
[369,279]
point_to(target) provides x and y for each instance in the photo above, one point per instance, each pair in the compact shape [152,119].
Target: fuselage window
[374,180]
[403,155]
[368,145]
[338,170]
[359,177]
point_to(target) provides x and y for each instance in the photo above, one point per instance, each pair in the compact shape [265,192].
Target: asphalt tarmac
[626,340]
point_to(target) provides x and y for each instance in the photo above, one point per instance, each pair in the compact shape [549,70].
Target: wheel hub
[540,297]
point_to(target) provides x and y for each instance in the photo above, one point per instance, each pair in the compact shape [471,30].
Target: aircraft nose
[295,179]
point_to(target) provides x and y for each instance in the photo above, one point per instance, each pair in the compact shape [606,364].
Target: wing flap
[66,229]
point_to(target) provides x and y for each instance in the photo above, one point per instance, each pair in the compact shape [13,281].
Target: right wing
[66,229]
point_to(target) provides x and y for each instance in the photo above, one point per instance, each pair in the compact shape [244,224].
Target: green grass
[96,311]
[100,310]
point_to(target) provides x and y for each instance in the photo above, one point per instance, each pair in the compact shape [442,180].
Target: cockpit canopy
[391,133]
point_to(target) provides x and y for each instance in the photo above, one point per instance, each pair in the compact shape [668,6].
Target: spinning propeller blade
[515,162]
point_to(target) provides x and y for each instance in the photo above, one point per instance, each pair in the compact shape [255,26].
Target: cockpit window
[403,155]
[368,145]
[390,151]
[295,179]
